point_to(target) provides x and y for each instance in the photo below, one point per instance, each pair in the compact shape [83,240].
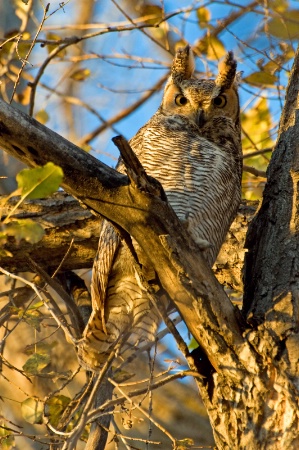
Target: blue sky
[116,82]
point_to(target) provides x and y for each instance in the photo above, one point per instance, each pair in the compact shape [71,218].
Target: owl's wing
[108,243]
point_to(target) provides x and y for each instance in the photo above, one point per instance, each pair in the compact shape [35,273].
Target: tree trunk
[263,414]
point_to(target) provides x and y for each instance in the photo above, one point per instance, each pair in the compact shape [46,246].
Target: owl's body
[192,146]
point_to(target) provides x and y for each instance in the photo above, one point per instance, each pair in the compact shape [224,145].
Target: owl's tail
[129,319]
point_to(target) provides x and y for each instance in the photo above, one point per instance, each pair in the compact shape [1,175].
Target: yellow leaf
[25,229]
[51,47]
[36,363]
[42,116]
[212,47]
[256,123]
[261,79]
[204,17]
[278,5]
[151,13]
[286,26]
[80,74]
[32,410]
[55,407]
[24,96]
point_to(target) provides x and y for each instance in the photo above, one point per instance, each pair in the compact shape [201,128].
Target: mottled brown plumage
[192,146]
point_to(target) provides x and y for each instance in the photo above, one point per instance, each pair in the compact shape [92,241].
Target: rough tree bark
[251,393]
[73,230]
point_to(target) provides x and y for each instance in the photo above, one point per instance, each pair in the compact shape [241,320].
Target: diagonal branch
[183,273]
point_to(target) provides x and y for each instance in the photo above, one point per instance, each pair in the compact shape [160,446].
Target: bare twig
[51,305]
[144,412]
[97,412]
[67,40]
[70,443]
[130,438]
[33,85]
[25,60]
[118,117]
[256,153]
[74,313]
[255,172]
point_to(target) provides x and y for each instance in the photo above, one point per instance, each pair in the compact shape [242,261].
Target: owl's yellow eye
[180,100]
[220,101]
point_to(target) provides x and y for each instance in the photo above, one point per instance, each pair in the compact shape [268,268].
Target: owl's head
[201,100]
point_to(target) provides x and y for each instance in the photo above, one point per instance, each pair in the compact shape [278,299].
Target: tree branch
[183,273]
[64,220]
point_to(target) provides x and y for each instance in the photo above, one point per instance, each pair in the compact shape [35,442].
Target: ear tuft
[183,64]
[226,72]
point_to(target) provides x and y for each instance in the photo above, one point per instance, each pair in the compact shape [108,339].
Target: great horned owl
[192,146]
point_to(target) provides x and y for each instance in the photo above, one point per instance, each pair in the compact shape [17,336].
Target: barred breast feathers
[192,145]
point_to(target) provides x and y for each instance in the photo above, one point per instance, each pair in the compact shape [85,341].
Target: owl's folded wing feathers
[108,243]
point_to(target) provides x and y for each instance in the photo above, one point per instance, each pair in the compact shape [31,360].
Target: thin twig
[25,60]
[142,31]
[115,29]
[63,259]
[255,172]
[144,412]
[123,438]
[75,316]
[97,412]
[70,443]
[51,305]
[118,117]
[33,85]
[257,152]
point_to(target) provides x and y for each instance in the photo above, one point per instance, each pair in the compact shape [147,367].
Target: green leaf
[204,17]
[33,318]
[193,344]
[286,26]
[80,74]
[40,182]
[55,407]
[37,305]
[261,79]
[36,363]
[42,348]
[32,410]
[25,229]
[6,440]
[184,444]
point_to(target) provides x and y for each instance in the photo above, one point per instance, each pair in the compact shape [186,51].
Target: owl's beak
[200,120]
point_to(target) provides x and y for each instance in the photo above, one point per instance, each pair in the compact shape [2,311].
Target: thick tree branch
[71,228]
[181,268]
